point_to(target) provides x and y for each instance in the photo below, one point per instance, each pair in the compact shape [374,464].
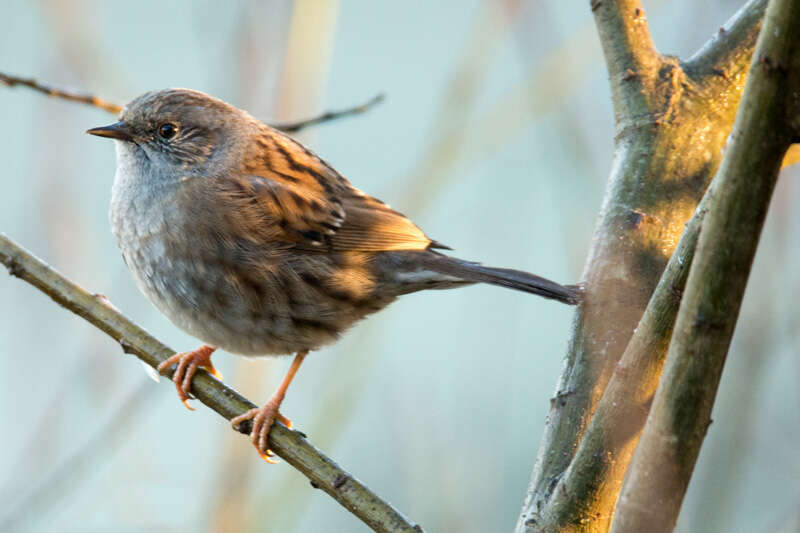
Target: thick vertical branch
[664,460]
[668,148]
[587,492]
[625,265]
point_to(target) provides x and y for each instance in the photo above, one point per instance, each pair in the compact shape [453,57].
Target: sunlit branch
[727,54]
[664,460]
[64,94]
[621,413]
[651,194]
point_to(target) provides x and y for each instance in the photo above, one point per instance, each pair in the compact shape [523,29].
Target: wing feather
[308,204]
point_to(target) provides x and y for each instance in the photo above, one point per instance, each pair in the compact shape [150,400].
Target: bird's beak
[118,130]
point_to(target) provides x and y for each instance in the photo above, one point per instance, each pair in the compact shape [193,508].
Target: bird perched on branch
[248,241]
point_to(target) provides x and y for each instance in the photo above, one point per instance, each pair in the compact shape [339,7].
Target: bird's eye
[167,131]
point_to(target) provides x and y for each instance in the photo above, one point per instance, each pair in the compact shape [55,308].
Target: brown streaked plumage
[247,240]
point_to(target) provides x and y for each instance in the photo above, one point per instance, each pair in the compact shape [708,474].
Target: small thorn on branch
[127,348]
[560,398]
[15,269]
[340,481]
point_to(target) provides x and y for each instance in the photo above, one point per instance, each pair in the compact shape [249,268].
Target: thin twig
[294,127]
[664,460]
[89,99]
[64,94]
[290,445]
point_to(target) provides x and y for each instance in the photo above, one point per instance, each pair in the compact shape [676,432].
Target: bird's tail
[503,277]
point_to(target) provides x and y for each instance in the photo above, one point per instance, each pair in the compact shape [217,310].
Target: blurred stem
[632,61]
[449,127]
[67,475]
[765,128]
[671,131]
[290,445]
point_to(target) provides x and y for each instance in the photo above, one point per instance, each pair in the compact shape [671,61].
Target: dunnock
[247,240]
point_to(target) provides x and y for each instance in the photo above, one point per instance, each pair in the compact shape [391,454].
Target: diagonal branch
[681,413]
[89,99]
[292,446]
[727,54]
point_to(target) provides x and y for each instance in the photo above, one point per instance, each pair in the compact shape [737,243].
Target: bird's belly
[243,309]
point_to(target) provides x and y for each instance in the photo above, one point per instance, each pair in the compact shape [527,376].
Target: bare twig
[294,127]
[85,98]
[292,446]
[64,94]
[681,414]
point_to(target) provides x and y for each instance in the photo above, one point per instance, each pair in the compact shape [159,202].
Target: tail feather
[503,277]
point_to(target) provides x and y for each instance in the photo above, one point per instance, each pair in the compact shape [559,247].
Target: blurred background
[495,136]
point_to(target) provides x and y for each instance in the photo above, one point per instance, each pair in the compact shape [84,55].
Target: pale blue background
[438,403]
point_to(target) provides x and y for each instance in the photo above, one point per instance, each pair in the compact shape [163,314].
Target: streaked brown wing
[306,202]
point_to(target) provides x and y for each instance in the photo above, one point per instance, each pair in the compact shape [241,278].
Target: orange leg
[188,363]
[263,417]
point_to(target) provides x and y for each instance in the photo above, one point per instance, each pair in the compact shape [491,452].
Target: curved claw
[283,420]
[263,418]
[211,369]
[187,365]
[268,457]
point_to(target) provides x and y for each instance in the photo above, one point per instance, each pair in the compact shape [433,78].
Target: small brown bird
[245,239]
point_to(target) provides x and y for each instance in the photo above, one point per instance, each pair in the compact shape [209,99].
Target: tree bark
[672,120]
[765,127]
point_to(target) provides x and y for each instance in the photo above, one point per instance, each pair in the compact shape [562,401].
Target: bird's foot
[188,363]
[263,418]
